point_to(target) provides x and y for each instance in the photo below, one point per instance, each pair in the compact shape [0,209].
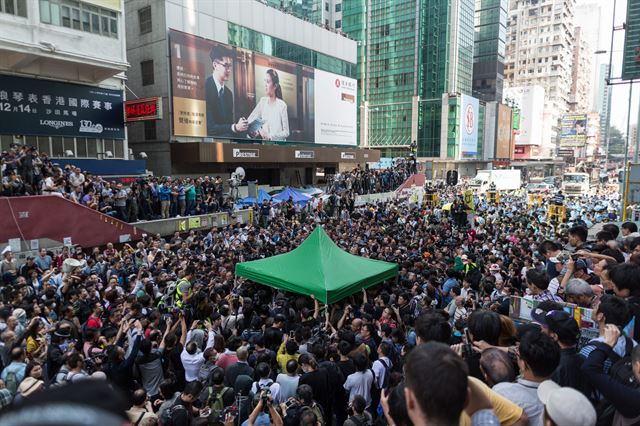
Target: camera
[233,410]
[264,397]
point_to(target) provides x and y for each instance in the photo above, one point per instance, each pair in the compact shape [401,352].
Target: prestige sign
[305,154]
[30,106]
[347,155]
[246,153]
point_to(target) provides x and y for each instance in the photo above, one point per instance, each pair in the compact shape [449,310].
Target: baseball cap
[566,406]
[559,322]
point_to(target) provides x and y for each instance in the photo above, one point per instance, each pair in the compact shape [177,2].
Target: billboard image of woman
[269,120]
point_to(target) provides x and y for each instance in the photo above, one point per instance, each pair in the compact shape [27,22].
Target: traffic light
[452,177]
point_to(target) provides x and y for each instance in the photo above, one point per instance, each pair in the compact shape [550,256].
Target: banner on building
[573,129]
[30,106]
[504,132]
[224,91]
[631,52]
[469,115]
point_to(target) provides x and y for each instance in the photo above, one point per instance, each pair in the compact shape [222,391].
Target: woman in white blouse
[272,110]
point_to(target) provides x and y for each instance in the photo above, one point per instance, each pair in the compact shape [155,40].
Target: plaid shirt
[547,295]
[5,397]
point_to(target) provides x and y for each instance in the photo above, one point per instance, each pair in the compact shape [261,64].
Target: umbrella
[447,207]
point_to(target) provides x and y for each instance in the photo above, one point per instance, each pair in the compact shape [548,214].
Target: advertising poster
[336,112]
[573,129]
[228,92]
[504,146]
[469,115]
[223,91]
[30,106]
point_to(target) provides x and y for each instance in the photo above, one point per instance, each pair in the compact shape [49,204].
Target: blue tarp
[298,197]
[262,196]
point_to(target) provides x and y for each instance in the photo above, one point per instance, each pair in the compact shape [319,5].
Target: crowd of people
[162,332]
[27,172]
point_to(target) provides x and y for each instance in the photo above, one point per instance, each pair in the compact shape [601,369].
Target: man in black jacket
[219,98]
[624,398]
[238,368]
[120,370]
[564,329]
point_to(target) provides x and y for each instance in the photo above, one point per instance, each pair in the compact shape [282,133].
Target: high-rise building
[62,80]
[539,51]
[489,49]
[604,103]
[410,53]
[327,13]
[580,97]
[598,37]
[243,47]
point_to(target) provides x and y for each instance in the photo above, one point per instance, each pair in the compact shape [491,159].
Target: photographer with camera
[265,412]
[294,409]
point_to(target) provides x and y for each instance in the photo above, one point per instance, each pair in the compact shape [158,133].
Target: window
[144,19]
[150,130]
[326,6]
[339,23]
[146,70]
[14,7]
[338,7]
[79,16]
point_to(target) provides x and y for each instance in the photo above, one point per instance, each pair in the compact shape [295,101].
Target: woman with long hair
[272,110]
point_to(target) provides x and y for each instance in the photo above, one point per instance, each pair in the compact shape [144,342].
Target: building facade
[489,49]
[580,96]
[254,29]
[410,52]
[62,77]
[539,51]
[604,103]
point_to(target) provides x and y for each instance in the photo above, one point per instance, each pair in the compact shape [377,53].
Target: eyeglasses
[226,66]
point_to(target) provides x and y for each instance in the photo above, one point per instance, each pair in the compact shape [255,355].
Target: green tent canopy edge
[318,267]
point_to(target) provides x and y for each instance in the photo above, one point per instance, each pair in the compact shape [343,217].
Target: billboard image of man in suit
[219,98]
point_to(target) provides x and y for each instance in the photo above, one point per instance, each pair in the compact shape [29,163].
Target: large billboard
[469,115]
[30,106]
[504,145]
[573,129]
[228,92]
[631,55]
[529,122]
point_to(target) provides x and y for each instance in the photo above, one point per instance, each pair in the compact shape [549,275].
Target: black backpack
[622,368]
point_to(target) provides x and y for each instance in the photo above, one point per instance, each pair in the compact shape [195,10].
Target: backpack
[215,401]
[359,422]
[170,413]
[387,374]
[622,368]
[11,382]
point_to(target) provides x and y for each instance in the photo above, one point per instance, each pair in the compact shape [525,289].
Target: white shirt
[359,383]
[192,363]
[263,384]
[379,370]
[276,120]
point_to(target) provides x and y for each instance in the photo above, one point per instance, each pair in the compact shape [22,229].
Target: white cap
[566,406]
[6,250]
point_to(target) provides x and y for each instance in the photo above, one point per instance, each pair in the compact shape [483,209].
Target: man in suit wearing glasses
[220,121]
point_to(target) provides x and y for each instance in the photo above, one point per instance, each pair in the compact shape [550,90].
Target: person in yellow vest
[184,287]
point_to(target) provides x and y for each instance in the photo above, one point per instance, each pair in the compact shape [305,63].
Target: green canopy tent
[319,267]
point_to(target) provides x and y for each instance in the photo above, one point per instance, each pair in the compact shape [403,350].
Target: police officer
[558,199]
